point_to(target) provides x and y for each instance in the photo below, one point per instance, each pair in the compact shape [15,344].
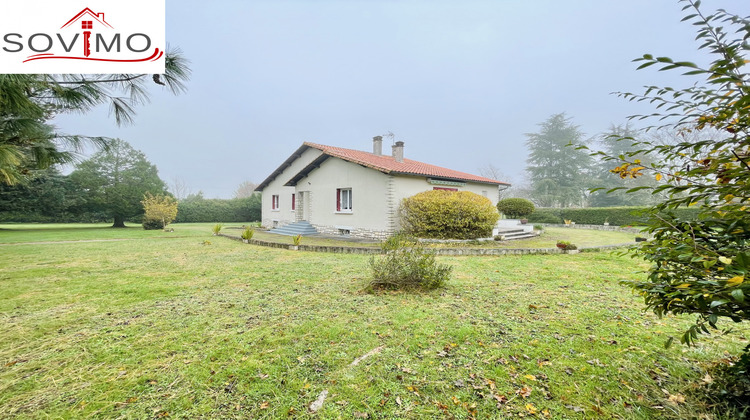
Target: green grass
[19,233]
[550,236]
[171,325]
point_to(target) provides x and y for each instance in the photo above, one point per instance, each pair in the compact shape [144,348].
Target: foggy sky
[459,82]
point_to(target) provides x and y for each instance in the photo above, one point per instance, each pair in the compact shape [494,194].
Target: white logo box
[89,37]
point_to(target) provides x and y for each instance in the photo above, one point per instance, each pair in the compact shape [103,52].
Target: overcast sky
[459,82]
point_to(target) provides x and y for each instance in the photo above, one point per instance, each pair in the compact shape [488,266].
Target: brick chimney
[398,151]
[377,145]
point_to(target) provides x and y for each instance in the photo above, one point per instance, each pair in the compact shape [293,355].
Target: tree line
[110,186]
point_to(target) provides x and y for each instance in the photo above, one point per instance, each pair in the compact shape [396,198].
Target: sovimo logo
[108,38]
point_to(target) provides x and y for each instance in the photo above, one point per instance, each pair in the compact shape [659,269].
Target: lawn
[186,325]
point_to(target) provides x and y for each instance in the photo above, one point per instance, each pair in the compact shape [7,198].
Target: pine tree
[557,171]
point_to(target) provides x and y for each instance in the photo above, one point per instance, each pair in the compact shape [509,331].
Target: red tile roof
[388,164]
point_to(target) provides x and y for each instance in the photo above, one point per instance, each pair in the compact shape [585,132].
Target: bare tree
[246,189]
[492,172]
[179,188]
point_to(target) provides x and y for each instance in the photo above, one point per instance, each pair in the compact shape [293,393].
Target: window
[274,202]
[444,189]
[294,204]
[86,24]
[344,200]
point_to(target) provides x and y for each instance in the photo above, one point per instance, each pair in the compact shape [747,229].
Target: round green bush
[153,224]
[515,208]
[448,215]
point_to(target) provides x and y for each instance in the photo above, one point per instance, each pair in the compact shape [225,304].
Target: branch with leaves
[28,101]
[699,266]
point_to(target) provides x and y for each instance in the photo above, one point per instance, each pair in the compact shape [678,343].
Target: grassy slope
[150,326]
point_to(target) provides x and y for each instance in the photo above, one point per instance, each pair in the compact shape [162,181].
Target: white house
[352,192]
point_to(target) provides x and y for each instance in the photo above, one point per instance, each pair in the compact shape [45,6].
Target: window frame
[275,202]
[344,197]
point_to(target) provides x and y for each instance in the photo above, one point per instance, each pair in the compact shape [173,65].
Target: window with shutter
[344,200]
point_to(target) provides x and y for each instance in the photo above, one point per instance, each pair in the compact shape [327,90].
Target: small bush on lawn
[248,233]
[448,215]
[566,246]
[159,210]
[407,265]
[515,208]
[153,224]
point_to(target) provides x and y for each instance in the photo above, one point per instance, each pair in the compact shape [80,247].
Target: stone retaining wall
[438,251]
[379,235]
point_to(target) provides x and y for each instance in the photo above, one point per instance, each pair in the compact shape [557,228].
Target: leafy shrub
[729,389]
[448,215]
[217,228]
[566,245]
[161,208]
[296,240]
[407,265]
[152,224]
[248,233]
[515,208]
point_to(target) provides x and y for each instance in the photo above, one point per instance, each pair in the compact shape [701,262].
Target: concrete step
[294,229]
[510,231]
[519,236]
[510,234]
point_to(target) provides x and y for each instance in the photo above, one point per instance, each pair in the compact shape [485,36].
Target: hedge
[616,216]
[201,210]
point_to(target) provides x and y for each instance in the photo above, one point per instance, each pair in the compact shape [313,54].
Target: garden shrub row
[196,209]
[615,216]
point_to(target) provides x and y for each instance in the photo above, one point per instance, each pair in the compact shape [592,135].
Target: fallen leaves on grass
[501,399]
[531,408]
[676,399]
[525,392]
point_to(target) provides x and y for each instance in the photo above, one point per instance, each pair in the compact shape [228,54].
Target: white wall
[369,188]
[284,215]
[407,186]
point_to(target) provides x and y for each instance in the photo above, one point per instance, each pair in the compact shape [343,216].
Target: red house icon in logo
[109,43]
[87,25]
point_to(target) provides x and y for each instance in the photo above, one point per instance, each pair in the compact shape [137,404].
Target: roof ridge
[388,164]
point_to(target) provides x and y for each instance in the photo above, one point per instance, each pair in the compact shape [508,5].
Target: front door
[302,205]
